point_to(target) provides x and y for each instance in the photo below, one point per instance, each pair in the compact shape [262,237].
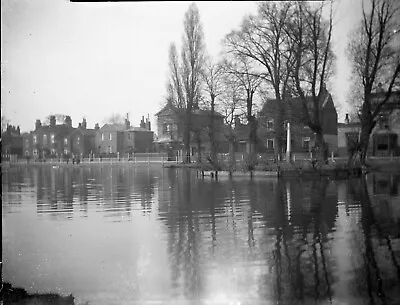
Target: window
[34,139]
[109,149]
[270,143]
[270,124]
[35,152]
[52,137]
[27,143]
[102,136]
[78,140]
[110,137]
[53,151]
[65,141]
[65,151]
[44,139]
[129,135]
[306,143]
[166,128]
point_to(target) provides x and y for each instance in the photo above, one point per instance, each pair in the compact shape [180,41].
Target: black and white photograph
[206,152]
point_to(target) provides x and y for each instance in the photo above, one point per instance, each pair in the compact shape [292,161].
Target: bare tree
[185,82]
[241,69]
[231,105]
[376,60]
[263,39]
[310,39]
[213,74]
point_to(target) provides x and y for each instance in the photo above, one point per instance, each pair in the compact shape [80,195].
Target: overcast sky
[93,59]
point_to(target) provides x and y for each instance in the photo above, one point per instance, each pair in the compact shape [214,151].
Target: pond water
[148,235]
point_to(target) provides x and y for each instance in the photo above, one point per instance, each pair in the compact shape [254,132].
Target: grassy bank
[13,295]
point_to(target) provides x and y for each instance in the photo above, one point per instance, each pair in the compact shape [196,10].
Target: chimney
[127,124]
[38,124]
[52,120]
[18,131]
[80,125]
[148,124]
[142,123]
[237,121]
[84,124]
[68,121]
[347,119]
[96,126]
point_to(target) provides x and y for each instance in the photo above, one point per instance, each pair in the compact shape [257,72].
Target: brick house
[123,139]
[81,141]
[302,138]
[48,141]
[109,139]
[170,130]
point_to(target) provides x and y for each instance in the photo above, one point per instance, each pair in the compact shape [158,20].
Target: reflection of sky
[113,234]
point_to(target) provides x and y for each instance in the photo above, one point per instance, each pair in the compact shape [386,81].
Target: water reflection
[164,234]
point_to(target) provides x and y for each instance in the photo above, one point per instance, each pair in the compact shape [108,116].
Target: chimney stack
[148,124]
[68,121]
[38,124]
[127,124]
[84,124]
[52,120]
[347,119]
[96,126]
[237,121]
[142,123]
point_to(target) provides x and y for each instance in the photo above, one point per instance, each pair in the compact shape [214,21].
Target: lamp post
[288,143]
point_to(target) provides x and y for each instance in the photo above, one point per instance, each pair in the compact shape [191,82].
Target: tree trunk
[322,149]
[279,131]
[211,133]
[198,142]
[364,143]
[186,138]
[232,157]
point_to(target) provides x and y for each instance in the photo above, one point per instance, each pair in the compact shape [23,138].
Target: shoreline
[11,295]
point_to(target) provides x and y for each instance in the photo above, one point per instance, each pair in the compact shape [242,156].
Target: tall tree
[185,83]
[310,39]
[263,39]
[213,74]
[375,54]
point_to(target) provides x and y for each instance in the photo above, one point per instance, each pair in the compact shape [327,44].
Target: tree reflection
[379,275]
[305,217]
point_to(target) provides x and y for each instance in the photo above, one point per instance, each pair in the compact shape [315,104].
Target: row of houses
[385,139]
[57,140]
[170,128]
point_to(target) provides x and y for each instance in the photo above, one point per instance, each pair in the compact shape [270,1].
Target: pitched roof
[294,105]
[84,131]
[113,127]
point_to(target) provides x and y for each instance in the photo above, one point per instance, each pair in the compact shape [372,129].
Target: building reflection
[116,191]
